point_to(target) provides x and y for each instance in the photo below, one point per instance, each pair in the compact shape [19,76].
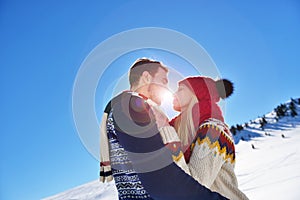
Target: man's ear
[146,77]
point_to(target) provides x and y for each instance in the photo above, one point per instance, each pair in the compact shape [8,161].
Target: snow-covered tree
[233,130]
[292,108]
[239,127]
[281,110]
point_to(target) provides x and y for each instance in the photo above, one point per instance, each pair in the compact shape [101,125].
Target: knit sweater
[212,159]
[146,163]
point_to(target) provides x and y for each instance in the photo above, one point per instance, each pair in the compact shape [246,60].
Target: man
[142,156]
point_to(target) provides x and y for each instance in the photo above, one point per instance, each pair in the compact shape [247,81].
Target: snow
[269,171]
[91,191]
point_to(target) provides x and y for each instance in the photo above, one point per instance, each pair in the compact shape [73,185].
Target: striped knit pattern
[216,135]
[212,160]
[126,179]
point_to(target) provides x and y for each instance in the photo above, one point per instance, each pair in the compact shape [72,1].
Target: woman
[206,139]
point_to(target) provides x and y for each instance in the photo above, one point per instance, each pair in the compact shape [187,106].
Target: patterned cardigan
[212,159]
[145,163]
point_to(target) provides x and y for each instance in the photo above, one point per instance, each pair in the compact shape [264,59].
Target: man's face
[158,86]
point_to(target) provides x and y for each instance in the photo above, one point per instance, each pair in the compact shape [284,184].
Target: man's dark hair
[141,65]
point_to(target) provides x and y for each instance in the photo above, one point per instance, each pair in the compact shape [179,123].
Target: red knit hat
[206,88]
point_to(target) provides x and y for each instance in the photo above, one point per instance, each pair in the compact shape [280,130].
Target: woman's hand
[160,118]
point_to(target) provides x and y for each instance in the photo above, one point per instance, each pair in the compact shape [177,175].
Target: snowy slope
[91,191]
[269,171]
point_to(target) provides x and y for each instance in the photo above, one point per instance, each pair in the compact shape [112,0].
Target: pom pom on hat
[224,87]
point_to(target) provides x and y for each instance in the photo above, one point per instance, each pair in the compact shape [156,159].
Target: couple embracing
[149,157]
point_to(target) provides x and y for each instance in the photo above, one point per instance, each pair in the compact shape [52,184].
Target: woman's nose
[175,95]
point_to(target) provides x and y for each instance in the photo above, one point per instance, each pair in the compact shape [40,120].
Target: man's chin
[157,101]
[177,108]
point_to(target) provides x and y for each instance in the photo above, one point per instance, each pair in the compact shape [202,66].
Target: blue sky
[43,43]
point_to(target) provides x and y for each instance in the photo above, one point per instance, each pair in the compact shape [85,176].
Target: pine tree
[239,127]
[293,113]
[281,110]
[263,122]
[233,130]
[292,108]
[284,109]
[278,111]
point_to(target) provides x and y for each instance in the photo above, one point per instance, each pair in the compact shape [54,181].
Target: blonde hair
[185,126]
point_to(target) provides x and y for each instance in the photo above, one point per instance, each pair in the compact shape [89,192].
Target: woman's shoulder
[216,126]
[216,135]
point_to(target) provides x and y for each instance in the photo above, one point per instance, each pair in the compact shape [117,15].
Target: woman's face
[182,98]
